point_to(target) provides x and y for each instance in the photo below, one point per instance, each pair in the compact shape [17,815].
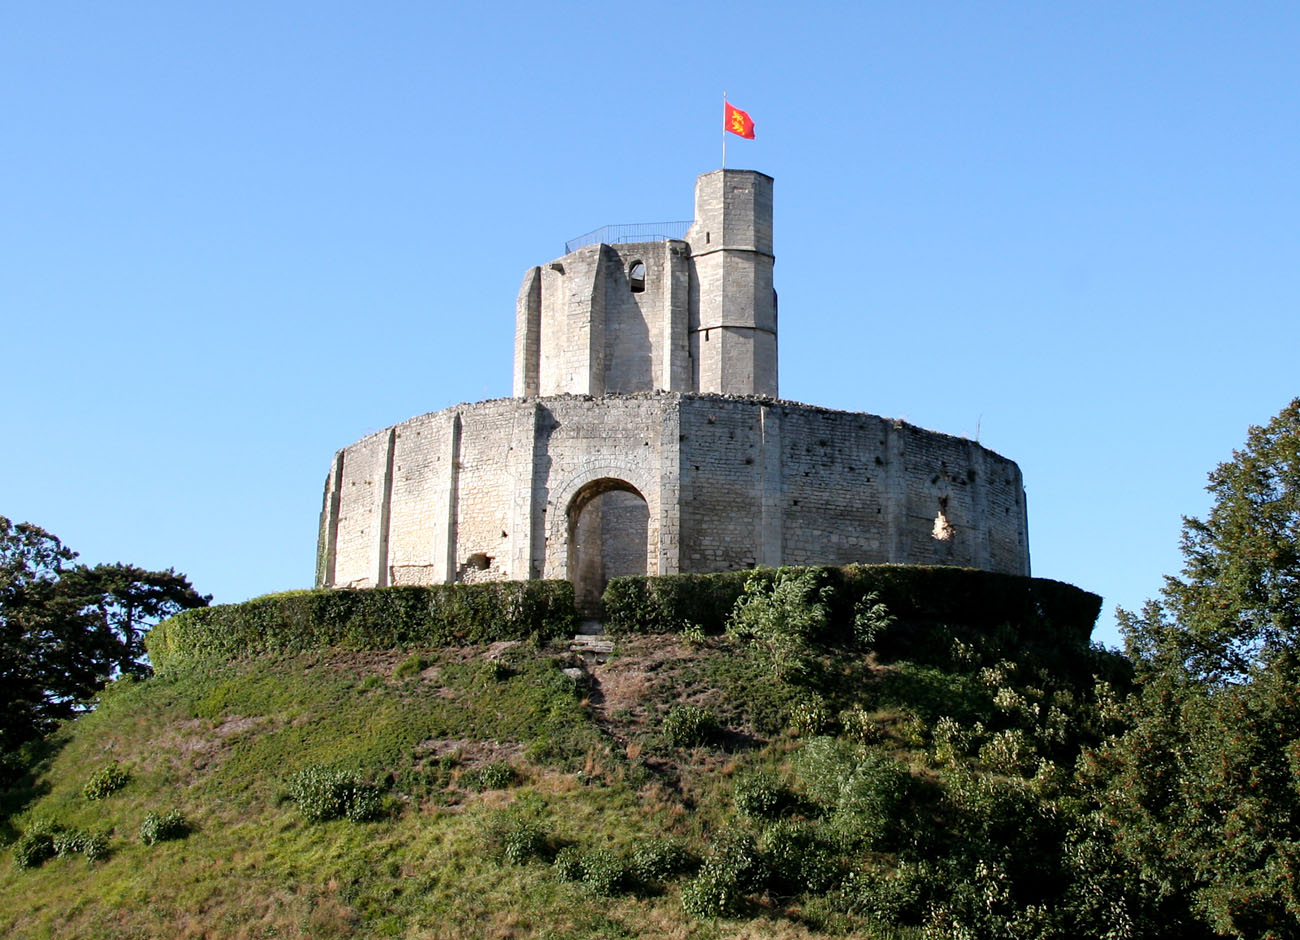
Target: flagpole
[724,130]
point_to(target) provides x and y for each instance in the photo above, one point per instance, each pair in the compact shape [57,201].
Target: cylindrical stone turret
[733,303]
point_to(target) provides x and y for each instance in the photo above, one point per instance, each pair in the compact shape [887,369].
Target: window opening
[636,276]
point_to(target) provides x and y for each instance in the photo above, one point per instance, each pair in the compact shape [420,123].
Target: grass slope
[589,768]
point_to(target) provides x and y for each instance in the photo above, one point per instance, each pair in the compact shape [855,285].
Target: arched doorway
[608,534]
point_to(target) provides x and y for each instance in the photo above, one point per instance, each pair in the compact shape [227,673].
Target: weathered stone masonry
[646,438]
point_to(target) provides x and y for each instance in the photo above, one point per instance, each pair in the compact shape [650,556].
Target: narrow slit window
[636,276]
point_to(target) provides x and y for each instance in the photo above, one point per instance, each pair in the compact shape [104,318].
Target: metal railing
[631,232]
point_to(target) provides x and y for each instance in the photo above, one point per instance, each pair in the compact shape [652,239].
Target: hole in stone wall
[943,530]
[479,561]
[636,276]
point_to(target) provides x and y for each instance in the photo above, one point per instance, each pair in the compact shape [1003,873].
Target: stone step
[593,649]
[585,643]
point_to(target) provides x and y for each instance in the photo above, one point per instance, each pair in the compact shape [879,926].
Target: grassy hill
[796,777]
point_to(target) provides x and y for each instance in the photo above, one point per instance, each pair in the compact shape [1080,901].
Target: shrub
[871,619]
[80,842]
[494,776]
[657,860]
[519,841]
[810,716]
[761,796]
[603,872]
[95,846]
[952,740]
[33,848]
[494,670]
[664,603]
[863,790]
[732,871]
[689,726]
[170,825]
[105,781]
[858,725]
[1008,752]
[323,794]
[799,858]
[693,635]
[892,895]
[568,863]
[782,617]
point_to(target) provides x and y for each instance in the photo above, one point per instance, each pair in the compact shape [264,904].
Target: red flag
[737,121]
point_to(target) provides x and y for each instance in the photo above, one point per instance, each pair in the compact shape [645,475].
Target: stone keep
[646,437]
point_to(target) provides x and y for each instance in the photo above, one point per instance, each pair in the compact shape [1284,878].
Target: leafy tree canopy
[1204,792]
[66,628]
[1236,607]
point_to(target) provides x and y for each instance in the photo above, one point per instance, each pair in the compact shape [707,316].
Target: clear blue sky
[236,237]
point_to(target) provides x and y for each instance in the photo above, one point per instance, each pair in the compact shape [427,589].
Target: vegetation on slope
[756,783]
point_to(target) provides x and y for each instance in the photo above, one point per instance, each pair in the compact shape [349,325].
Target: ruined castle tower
[645,436]
[692,315]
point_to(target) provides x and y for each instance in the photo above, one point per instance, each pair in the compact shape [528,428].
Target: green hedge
[958,600]
[374,618]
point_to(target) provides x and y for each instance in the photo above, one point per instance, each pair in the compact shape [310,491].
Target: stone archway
[608,536]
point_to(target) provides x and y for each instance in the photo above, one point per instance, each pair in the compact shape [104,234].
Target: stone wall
[702,483]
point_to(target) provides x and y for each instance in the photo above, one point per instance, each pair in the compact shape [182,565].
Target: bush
[863,790]
[871,621]
[689,726]
[810,716]
[603,872]
[761,796]
[858,725]
[495,776]
[1009,752]
[519,842]
[93,845]
[952,740]
[323,794]
[657,860]
[33,848]
[732,871]
[170,825]
[693,635]
[782,617]
[892,895]
[45,839]
[105,781]
[799,858]
[376,618]
[494,670]
[568,863]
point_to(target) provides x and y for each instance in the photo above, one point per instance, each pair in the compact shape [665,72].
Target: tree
[1204,789]
[1237,605]
[123,601]
[65,629]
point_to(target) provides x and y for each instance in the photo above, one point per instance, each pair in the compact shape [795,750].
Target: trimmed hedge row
[957,599]
[374,618]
